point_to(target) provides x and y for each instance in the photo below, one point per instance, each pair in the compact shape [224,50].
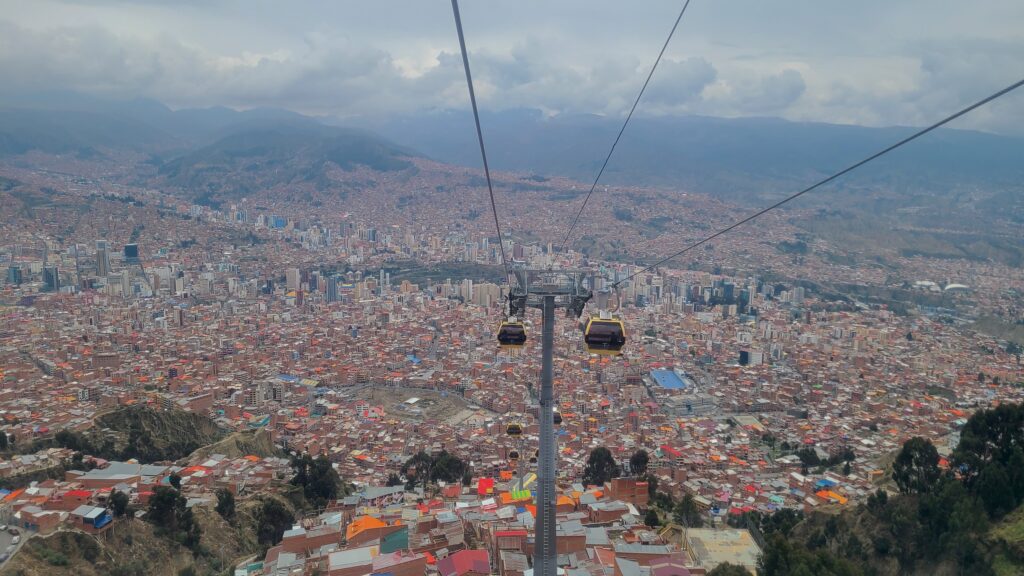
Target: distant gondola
[604,335]
[512,335]
[514,429]
[558,417]
[513,455]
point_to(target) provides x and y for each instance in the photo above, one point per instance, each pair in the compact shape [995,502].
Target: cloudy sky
[871,62]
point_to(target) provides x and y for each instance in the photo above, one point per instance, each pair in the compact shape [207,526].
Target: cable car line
[623,129]
[479,133]
[820,183]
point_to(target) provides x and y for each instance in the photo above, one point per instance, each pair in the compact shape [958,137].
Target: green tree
[989,435]
[423,468]
[687,514]
[808,456]
[727,569]
[162,506]
[651,518]
[601,467]
[3,440]
[393,480]
[417,469]
[274,519]
[175,481]
[638,462]
[782,557]
[168,512]
[118,503]
[916,468]
[225,503]
[318,479]
[996,492]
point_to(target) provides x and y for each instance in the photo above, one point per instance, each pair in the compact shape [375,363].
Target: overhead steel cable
[820,183]
[479,133]
[623,129]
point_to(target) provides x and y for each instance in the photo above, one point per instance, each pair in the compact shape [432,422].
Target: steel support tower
[547,290]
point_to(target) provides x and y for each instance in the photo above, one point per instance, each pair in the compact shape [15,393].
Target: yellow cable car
[514,429]
[604,335]
[511,335]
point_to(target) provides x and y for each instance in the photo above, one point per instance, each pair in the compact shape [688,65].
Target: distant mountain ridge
[955,178]
[265,155]
[735,158]
[206,153]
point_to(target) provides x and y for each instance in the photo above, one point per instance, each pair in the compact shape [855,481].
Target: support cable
[576,220]
[820,183]
[480,134]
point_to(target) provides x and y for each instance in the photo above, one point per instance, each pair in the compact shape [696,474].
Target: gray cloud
[874,62]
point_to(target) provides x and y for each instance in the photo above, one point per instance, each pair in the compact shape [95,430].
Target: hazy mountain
[268,154]
[739,158]
[75,132]
[64,122]
[959,178]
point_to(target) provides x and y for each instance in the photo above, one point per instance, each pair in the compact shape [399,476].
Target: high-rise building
[332,288]
[798,295]
[14,275]
[102,258]
[51,279]
[131,253]
[292,278]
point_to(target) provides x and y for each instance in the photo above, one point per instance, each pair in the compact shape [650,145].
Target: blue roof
[668,379]
[287,378]
[412,358]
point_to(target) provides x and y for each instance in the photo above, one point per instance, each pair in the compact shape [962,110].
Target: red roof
[670,450]
[78,494]
[464,562]
[501,533]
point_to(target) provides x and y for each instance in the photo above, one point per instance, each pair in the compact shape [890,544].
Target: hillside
[738,158]
[134,548]
[144,433]
[244,443]
[259,158]
[940,523]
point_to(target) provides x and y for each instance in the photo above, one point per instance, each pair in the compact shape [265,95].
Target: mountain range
[954,178]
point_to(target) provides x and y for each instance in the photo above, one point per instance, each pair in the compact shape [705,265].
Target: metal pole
[544,529]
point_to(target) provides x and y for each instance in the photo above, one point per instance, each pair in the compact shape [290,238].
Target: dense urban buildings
[338,334]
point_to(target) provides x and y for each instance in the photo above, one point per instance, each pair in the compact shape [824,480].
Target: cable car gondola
[557,417]
[514,429]
[512,335]
[604,335]
[513,455]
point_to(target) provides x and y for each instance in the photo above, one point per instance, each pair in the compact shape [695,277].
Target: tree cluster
[442,466]
[318,479]
[225,503]
[809,457]
[601,467]
[638,462]
[687,514]
[273,520]
[167,511]
[118,503]
[942,514]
